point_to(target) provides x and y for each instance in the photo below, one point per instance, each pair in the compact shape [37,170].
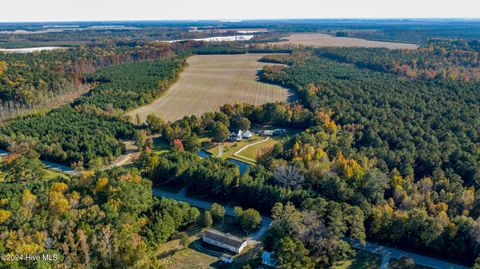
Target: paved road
[50,165]
[266,221]
[389,253]
[386,252]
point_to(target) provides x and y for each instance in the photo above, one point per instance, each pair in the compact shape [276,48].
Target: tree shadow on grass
[168,253]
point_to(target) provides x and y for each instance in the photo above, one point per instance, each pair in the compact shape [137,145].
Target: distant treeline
[439,59]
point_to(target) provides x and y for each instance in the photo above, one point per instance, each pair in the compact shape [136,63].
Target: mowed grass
[173,255]
[229,148]
[211,81]
[324,40]
[253,151]
[362,260]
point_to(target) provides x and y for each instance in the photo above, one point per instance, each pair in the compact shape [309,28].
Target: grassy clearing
[211,81]
[323,40]
[229,148]
[362,260]
[50,174]
[253,151]
[173,255]
[250,153]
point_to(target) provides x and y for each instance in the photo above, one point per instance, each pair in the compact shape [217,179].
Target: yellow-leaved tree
[4,215]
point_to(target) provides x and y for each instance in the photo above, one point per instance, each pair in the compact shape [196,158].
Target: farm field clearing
[324,40]
[210,81]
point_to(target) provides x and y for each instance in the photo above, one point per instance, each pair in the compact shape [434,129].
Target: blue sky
[84,10]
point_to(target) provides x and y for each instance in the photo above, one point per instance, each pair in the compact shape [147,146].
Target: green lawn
[173,255]
[252,152]
[362,260]
[229,148]
[51,174]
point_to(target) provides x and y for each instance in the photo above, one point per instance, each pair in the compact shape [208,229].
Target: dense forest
[405,30]
[87,132]
[26,78]
[385,150]
[450,60]
[100,220]
[392,118]
[372,146]
[323,165]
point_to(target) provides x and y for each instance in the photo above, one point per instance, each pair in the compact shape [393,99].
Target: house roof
[224,238]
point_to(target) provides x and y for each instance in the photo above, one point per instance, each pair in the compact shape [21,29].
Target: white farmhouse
[247,134]
[223,240]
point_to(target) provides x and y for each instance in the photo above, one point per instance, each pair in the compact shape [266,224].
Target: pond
[242,166]
[202,153]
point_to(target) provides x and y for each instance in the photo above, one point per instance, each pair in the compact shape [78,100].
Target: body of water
[28,50]
[242,166]
[217,38]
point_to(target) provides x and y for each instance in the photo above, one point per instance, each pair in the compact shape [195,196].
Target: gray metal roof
[224,238]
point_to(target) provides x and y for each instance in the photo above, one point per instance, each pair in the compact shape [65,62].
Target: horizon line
[252,20]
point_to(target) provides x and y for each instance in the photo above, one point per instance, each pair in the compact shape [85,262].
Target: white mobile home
[223,240]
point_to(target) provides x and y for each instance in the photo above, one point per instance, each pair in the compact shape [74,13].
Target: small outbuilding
[223,240]
[267,132]
[226,259]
